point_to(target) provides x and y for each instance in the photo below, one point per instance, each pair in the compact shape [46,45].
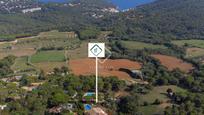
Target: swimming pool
[87,107]
[89,94]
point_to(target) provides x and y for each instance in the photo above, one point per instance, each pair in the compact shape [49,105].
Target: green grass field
[150,110]
[140,45]
[192,43]
[160,93]
[48,56]
[157,93]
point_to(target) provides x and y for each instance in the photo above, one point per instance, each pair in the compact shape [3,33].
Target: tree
[157,102]
[128,105]
[169,90]
[57,99]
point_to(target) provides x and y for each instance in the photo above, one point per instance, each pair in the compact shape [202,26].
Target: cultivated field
[194,52]
[22,66]
[49,66]
[192,43]
[17,52]
[109,68]
[140,45]
[49,39]
[173,63]
[48,56]
[80,52]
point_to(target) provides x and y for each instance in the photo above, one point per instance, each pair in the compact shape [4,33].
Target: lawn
[48,56]
[192,43]
[134,45]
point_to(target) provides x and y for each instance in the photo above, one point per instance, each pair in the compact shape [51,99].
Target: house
[31,10]
[96,111]
[2,107]
[29,88]
[18,77]
[32,86]
[137,74]
[68,106]
[55,110]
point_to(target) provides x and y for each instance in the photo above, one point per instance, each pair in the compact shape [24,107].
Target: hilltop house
[2,107]
[31,10]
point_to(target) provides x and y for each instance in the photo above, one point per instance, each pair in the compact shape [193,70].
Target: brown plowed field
[173,63]
[109,68]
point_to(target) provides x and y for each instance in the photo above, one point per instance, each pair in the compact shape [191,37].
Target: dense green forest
[157,22]
[160,21]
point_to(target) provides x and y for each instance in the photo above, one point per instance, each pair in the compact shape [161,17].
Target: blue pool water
[89,94]
[87,107]
[122,4]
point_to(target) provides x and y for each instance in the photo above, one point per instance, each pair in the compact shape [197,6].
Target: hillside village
[13,6]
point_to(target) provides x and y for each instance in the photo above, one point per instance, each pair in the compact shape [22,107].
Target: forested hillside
[161,21]
[59,16]
[157,22]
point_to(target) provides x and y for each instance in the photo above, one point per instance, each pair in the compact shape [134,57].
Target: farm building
[136,74]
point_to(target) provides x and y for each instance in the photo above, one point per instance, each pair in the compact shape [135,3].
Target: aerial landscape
[153,61]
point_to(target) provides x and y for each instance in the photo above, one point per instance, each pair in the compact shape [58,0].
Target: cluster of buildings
[13,6]
[110,10]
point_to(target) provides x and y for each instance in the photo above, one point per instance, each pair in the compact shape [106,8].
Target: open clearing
[48,56]
[140,45]
[160,93]
[194,52]
[17,52]
[109,68]
[192,43]
[172,63]
[49,66]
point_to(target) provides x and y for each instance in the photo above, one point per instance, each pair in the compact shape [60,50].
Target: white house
[2,107]
[31,10]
